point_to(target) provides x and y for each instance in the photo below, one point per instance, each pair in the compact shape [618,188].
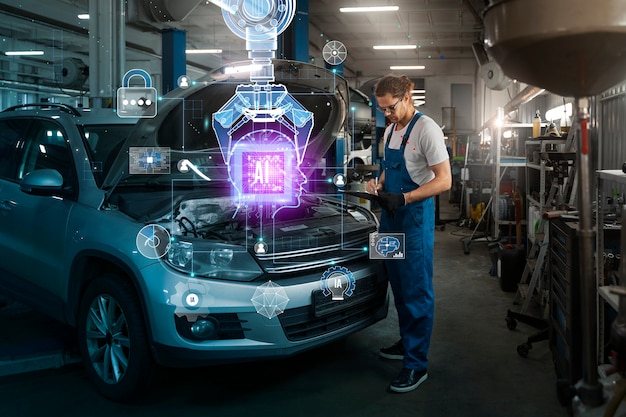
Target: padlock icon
[137,101]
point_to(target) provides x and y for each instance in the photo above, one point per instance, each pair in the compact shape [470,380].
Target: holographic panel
[264,173]
[386,245]
[148,160]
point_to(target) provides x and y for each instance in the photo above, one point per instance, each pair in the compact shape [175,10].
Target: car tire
[113,339]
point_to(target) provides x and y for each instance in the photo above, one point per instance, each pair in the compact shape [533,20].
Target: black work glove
[390,201]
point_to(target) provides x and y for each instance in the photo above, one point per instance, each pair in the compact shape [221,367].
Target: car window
[46,147]
[104,143]
[355,97]
[11,141]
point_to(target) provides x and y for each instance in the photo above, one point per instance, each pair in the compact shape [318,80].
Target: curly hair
[396,85]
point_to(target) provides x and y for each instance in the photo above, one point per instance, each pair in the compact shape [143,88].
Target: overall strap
[414,119]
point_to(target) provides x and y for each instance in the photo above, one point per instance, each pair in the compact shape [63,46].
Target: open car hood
[184,118]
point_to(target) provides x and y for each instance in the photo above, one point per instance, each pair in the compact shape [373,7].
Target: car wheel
[113,339]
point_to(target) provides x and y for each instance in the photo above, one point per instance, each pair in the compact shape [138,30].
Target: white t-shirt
[426,147]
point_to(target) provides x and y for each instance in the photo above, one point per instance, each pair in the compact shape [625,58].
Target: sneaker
[408,380]
[395,351]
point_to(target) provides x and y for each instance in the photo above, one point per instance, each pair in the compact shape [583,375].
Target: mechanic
[416,168]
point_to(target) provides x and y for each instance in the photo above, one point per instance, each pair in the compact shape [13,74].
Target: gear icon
[339,282]
[189,298]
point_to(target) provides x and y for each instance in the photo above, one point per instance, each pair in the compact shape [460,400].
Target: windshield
[103,144]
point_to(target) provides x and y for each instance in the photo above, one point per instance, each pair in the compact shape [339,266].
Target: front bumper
[310,318]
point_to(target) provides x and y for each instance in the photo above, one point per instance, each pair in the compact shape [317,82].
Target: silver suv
[128,230]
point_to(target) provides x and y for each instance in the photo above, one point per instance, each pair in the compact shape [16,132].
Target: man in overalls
[416,168]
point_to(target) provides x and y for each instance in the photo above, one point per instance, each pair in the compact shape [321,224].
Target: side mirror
[46,182]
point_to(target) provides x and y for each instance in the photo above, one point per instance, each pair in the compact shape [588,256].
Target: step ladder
[535,259]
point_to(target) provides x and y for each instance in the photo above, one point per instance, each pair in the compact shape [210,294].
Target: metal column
[107,45]
[174,61]
[294,41]
[590,391]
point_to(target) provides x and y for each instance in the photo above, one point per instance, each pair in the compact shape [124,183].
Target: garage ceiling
[444,31]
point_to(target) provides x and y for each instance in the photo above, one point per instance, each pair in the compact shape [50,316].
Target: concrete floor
[474,366]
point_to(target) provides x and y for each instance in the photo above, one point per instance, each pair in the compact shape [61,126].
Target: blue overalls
[411,278]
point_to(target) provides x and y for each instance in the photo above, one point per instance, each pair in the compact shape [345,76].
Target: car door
[33,228]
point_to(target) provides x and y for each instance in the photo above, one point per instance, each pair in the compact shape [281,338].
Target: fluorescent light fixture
[203,51]
[83,16]
[369,9]
[395,46]
[418,103]
[419,97]
[242,68]
[23,53]
[406,67]
[418,91]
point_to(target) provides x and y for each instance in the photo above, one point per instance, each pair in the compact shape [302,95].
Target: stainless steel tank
[569,47]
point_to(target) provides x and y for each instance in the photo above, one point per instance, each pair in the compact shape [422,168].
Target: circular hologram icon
[334,52]
[270,299]
[192,300]
[153,241]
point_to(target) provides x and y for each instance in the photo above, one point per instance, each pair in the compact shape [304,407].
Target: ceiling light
[242,68]
[406,67]
[203,51]
[83,16]
[369,9]
[418,91]
[23,53]
[395,46]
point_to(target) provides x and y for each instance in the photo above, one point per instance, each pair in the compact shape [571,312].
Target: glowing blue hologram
[190,297]
[153,241]
[255,20]
[338,281]
[137,101]
[262,131]
[184,165]
[263,168]
[263,104]
[269,299]
[148,160]
[334,52]
[339,180]
[386,245]
[259,23]
[263,126]
[260,248]
[183,82]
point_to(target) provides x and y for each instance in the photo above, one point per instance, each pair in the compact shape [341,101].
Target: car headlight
[212,260]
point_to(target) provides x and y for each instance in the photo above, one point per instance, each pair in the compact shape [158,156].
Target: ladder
[535,259]
[539,249]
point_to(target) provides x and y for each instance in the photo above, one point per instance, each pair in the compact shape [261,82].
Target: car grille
[325,315]
[314,256]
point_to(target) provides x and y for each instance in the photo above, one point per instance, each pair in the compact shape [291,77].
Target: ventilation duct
[489,71]
[71,73]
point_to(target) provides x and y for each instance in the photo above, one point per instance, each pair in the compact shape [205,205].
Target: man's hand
[391,201]
[373,186]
